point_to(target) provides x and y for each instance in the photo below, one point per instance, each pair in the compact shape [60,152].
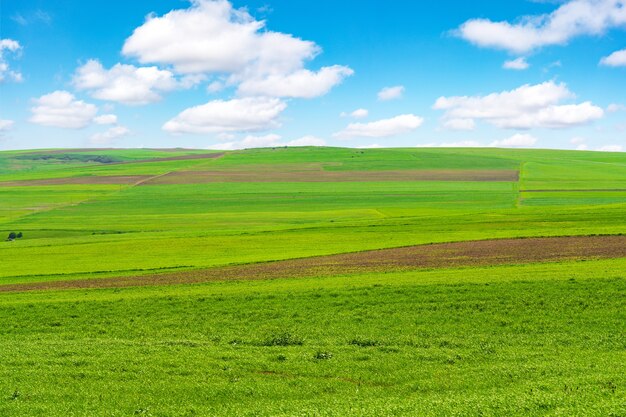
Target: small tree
[19,235]
[12,236]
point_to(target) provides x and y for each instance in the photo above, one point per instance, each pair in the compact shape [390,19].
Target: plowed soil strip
[198,177]
[102,180]
[445,255]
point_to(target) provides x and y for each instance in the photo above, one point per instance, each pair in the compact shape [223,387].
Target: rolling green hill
[519,336]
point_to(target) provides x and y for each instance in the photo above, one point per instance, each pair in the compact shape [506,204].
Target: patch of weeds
[16,394]
[281,358]
[283,339]
[320,356]
[361,342]
[142,412]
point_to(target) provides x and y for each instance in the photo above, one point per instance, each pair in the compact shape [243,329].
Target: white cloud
[215,87]
[357,114]
[225,136]
[616,59]
[267,141]
[6,73]
[62,109]
[212,37]
[518,64]
[110,135]
[105,119]
[237,115]
[519,140]
[459,124]
[37,16]
[299,84]
[611,148]
[6,125]
[126,83]
[460,144]
[391,93]
[573,18]
[398,125]
[308,140]
[614,108]
[252,141]
[581,143]
[224,146]
[526,107]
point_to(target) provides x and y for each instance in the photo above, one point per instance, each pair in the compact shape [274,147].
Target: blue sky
[228,75]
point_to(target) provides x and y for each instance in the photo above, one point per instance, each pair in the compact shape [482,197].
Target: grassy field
[517,337]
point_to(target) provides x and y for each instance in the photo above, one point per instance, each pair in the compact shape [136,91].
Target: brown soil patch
[102,180]
[199,177]
[444,255]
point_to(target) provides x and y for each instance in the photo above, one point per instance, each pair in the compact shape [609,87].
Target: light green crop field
[517,338]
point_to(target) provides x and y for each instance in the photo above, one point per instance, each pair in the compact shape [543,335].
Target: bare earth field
[445,255]
[93,179]
[199,177]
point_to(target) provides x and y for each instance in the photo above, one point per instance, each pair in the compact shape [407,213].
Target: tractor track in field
[431,256]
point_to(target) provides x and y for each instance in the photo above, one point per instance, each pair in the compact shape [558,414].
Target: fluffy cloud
[526,107]
[614,108]
[252,141]
[105,119]
[571,19]
[62,109]
[307,140]
[616,59]
[266,141]
[299,84]
[519,140]
[459,124]
[237,115]
[581,143]
[6,73]
[518,64]
[6,125]
[461,144]
[391,93]
[357,114]
[398,125]
[124,83]
[212,37]
[611,148]
[110,135]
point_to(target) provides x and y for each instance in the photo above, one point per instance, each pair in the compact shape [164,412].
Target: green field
[516,338]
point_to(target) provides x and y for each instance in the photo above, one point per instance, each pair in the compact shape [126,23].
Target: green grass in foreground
[540,339]
[516,340]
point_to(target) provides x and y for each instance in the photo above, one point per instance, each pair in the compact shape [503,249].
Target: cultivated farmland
[313,281]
